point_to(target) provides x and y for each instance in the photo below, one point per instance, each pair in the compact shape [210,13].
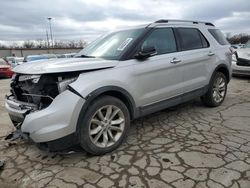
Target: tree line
[45,44]
[241,38]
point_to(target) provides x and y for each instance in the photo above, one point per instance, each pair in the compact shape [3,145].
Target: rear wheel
[104,125]
[217,90]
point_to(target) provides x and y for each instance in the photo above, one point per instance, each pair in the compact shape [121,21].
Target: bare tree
[40,43]
[241,38]
[81,44]
[29,44]
[2,46]
[14,45]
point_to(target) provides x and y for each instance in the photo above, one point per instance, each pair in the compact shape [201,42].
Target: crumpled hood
[244,53]
[63,65]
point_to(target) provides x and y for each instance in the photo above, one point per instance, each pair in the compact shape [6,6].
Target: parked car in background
[90,99]
[70,55]
[241,61]
[235,46]
[50,56]
[238,46]
[31,58]
[16,61]
[9,59]
[5,69]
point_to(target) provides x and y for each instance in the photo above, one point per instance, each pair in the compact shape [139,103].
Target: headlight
[62,84]
[34,78]
[234,57]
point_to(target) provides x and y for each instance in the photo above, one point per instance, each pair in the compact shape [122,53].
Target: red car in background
[5,69]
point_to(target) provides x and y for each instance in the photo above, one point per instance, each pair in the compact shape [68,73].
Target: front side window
[191,38]
[219,37]
[112,45]
[162,39]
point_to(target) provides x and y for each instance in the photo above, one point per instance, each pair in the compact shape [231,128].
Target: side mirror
[146,52]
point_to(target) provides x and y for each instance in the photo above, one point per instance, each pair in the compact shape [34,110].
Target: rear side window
[219,37]
[191,38]
[162,39]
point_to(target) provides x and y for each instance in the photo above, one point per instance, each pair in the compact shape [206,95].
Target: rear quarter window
[219,37]
[191,39]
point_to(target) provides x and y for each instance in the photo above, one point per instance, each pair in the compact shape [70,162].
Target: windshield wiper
[86,56]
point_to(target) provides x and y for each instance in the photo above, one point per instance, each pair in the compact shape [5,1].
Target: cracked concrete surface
[185,146]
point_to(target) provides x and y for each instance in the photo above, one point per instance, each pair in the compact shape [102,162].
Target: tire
[217,91]
[104,125]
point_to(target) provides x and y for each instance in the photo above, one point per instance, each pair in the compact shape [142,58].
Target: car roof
[173,22]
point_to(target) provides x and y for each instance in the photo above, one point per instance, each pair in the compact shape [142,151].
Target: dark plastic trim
[74,91]
[149,109]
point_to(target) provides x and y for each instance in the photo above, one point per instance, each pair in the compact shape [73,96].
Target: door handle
[175,60]
[210,53]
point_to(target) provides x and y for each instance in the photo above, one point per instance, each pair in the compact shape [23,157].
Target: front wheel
[217,91]
[104,126]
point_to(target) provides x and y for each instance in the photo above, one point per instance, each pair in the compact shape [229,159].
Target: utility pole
[47,36]
[51,36]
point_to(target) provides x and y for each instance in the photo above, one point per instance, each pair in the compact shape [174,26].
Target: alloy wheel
[219,89]
[106,126]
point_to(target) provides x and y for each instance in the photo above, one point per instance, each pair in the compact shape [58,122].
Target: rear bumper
[56,121]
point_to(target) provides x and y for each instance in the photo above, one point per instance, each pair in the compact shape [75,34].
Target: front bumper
[56,121]
[240,70]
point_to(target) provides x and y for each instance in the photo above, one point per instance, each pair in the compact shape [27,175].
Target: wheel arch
[114,91]
[223,69]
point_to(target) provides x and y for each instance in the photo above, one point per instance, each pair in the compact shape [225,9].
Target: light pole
[51,36]
[47,37]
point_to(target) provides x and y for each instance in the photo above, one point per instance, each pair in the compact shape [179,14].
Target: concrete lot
[186,146]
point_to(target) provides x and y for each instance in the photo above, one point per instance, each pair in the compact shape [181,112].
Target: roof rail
[194,22]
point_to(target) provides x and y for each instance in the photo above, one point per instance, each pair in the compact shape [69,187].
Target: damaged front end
[31,93]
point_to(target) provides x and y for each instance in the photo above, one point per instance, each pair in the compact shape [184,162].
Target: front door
[159,77]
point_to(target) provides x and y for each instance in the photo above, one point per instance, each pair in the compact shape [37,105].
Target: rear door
[196,56]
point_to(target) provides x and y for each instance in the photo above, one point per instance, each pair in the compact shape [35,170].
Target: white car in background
[14,61]
[70,55]
[241,61]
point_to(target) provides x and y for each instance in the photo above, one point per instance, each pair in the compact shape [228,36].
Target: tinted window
[217,34]
[204,41]
[162,39]
[191,39]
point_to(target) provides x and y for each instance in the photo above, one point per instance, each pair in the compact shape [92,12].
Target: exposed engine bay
[40,90]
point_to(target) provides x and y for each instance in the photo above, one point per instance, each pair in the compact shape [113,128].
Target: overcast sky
[85,19]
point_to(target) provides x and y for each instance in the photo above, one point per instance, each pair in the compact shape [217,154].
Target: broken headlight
[34,78]
[63,83]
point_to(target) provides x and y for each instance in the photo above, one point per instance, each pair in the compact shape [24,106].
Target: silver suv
[91,99]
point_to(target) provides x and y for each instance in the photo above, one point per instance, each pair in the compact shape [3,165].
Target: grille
[243,62]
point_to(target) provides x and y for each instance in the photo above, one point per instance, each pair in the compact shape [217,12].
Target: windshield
[111,46]
[247,44]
